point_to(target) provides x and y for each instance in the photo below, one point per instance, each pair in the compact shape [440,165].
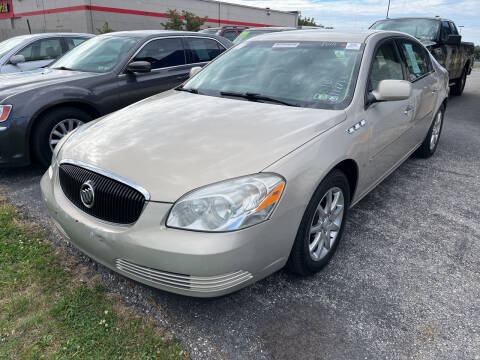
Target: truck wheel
[51,127]
[457,89]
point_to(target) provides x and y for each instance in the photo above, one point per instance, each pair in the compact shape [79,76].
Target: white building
[24,16]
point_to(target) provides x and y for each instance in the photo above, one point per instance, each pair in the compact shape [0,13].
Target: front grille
[115,202]
[181,281]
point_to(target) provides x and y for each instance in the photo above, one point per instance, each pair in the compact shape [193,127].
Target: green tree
[306,21]
[175,21]
[192,21]
[477,52]
[185,20]
[105,29]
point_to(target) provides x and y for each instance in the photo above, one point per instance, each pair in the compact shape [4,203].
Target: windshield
[310,74]
[100,54]
[423,29]
[7,45]
[248,34]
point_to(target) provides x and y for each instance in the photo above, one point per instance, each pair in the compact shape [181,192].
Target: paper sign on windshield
[286,45]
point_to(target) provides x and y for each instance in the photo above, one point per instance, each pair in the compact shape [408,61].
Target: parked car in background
[28,52]
[101,75]
[442,39]
[229,32]
[252,32]
[252,164]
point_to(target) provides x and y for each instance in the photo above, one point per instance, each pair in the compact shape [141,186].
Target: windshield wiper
[256,97]
[181,88]
[63,68]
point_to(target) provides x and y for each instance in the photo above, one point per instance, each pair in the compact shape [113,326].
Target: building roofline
[251,7]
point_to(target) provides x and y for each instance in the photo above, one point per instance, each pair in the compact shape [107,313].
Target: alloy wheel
[326,223]
[437,126]
[62,129]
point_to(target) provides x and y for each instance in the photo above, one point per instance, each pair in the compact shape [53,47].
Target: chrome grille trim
[109,175]
[181,281]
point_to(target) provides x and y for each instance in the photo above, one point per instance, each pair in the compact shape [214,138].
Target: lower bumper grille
[181,281]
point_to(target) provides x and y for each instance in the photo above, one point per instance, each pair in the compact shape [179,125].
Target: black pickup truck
[442,39]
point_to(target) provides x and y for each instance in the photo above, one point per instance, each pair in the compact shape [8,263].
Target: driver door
[169,69]
[390,120]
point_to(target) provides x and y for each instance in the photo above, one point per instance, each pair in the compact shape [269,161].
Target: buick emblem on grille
[87,194]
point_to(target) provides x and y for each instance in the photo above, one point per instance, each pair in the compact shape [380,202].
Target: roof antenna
[388,8]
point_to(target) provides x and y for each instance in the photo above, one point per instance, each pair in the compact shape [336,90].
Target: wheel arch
[84,106]
[350,168]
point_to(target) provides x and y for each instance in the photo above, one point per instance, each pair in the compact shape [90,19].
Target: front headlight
[228,205]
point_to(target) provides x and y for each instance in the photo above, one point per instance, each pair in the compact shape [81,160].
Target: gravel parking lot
[405,282]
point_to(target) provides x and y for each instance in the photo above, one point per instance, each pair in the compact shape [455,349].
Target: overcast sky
[360,14]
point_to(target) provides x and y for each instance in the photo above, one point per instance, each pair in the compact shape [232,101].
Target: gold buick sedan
[250,165]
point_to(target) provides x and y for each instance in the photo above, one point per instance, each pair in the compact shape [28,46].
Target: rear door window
[416,58]
[203,49]
[44,49]
[163,53]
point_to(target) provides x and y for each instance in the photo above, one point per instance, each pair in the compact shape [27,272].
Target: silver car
[252,164]
[28,52]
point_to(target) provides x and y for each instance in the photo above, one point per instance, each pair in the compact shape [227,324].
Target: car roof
[320,35]
[145,34]
[46,35]
[416,18]
[272,28]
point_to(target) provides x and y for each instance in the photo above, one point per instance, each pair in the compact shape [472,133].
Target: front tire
[322,225]
[51,128]
[430,143]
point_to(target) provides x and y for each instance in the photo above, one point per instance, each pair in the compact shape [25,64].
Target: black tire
[425,150]
[40,137]
[300,260]
[457,89]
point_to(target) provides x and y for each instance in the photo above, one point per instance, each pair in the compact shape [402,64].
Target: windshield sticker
[285,45]
[243,34]
[413,59]
[353,46]
[321,97]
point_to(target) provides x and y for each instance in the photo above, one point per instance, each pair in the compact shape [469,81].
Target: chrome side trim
[110,175]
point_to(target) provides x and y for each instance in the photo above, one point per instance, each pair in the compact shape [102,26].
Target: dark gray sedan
[101,75]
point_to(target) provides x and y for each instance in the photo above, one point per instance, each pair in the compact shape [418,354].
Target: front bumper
[13,148]
[185,262]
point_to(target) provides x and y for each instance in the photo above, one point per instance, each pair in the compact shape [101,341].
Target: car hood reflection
[175,142]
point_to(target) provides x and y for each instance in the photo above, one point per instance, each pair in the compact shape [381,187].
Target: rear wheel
[322,225]
[457,89]
[430,143]
[52,127]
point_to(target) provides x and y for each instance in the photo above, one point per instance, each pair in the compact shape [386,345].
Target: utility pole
[388,8]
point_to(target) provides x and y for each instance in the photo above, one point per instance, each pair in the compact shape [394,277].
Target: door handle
[408,109]
[434,91]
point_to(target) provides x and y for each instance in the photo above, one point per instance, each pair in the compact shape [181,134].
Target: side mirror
[17,59]
[453,39]
[194,71]
[391,90]
[139,67]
